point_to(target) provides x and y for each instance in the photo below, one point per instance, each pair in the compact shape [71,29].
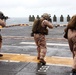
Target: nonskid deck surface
[20,54]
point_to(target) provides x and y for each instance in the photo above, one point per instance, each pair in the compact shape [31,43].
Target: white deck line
[54,44]
[59,65]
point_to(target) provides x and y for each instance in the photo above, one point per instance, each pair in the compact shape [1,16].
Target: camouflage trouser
[41,45]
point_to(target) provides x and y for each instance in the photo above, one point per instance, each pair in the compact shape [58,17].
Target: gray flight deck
[14,41]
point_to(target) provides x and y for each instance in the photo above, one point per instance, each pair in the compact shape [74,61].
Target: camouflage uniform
[72,44]
[40,30]
[41,44]
[2,24]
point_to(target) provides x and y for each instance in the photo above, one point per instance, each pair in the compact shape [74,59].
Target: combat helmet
[2,16]
[46,16]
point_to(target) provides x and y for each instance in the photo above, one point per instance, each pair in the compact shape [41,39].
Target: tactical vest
[38,29]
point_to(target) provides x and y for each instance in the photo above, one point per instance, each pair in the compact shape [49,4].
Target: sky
[24,8]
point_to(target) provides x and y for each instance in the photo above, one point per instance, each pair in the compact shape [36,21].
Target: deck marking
[56,44]
[60,61]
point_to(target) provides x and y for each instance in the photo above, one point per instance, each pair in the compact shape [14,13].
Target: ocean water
[13,21]
[25,20]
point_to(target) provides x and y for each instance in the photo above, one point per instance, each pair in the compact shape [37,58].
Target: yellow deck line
[27,58]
